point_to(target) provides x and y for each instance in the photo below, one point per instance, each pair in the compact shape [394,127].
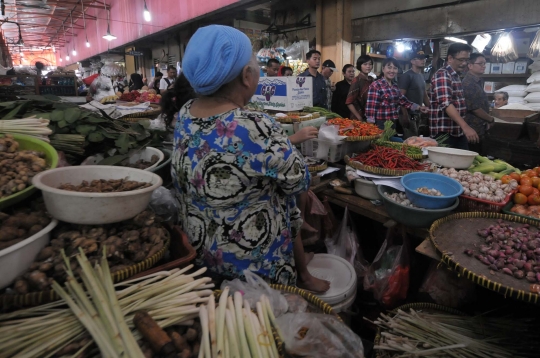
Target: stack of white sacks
[533,98]
[525,96]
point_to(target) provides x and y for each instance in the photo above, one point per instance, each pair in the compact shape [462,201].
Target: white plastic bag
[345,244]
[253,288]
[326,336]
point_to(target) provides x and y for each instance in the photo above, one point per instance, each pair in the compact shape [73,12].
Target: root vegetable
[180,343]
[105,186]
[92,240]
[160,342]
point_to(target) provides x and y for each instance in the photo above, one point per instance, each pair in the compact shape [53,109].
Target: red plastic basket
[468,203]
[181,253]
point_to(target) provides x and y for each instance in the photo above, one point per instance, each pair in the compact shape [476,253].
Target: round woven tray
[309,297]
[454,233]
[37,298]
[153,111]
[377,170]
[426,307]
[317,168]
[309,117]
[135,120]
[412,156]
[362,138]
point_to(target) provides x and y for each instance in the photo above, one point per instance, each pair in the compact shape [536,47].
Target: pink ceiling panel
[127,23]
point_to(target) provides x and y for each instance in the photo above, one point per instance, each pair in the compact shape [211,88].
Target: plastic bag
[164,204]
[102,87]
[421,142]
[446,288]
[388,275]
[317,335]
[314,210]
[253,288]
[345,244]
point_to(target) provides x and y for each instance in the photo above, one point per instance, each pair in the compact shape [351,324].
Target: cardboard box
[496,68]
[489,87]
[520,67]
[487,71]
[284,93]
[508,68]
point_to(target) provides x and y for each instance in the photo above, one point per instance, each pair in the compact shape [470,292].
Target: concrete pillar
[334,33]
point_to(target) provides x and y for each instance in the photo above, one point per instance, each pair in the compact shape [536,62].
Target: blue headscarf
[214,56]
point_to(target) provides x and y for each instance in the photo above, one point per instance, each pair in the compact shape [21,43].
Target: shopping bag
[345,244]
[388,276]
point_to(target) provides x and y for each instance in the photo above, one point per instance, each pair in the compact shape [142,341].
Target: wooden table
[378,213]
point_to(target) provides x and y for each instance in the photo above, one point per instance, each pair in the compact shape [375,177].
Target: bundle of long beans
[416,334]
[171,297]
[233,330]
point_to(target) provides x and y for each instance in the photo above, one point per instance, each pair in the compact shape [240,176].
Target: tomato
[534,199]
[530,173]
[537,169]
[535,190]
[526,190]
[506,179]
[515,176]
[535,181]
[525,180]
[520,198]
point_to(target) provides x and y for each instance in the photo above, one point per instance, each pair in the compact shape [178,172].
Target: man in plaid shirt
[447,102]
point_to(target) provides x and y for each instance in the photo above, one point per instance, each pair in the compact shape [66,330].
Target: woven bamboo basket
[309,297]
[429,307]
[412,156]
[317,168]
[377,170]
[31,299]
[362,138]
[288,119]
[451,245]
[153,111]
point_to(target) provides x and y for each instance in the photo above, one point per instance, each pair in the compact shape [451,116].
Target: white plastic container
[331,152]
[451,158]
[366,189]
[341,276]
[94,208]
[146,155]
[17,258]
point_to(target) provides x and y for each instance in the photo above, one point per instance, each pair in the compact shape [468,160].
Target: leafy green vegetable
[95,137]
[115,159]
[71,115]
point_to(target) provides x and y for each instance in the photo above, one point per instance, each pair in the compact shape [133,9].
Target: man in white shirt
[168,82]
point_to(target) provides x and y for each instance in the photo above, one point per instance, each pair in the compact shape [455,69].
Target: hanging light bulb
[60,59]
[146,13]
[74,53]
[108,36]
[84,22]
[67,57]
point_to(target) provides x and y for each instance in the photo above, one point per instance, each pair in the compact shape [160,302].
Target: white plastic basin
[17,258]
[94,208]
[451,158]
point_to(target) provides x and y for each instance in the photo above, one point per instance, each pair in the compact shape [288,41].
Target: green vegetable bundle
[410,151]
[80,133]
[322,111]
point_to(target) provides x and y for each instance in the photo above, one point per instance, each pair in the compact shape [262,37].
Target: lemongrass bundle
[171,297]
[431,335]
[233,330]
[32,126]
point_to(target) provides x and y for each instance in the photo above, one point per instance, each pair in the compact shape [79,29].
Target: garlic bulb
[482,196]
[466,191]
[474,193]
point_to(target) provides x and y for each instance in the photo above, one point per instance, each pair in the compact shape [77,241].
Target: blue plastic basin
[449,188]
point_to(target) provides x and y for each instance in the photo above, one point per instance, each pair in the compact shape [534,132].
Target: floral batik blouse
[236,176]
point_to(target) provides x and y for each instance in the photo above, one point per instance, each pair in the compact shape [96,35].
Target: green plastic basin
[30,143]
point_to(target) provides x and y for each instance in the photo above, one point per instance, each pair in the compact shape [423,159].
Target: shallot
[513,250]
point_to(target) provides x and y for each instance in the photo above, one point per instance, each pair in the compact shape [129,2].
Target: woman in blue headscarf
[235,171]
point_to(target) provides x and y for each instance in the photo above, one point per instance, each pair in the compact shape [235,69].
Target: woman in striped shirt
[385,99]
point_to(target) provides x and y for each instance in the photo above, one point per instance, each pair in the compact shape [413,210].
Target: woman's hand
[424,109]
[303,135]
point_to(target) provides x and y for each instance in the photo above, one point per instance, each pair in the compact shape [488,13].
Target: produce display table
[365,208]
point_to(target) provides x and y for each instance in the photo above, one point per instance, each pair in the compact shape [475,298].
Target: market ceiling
[42,22]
